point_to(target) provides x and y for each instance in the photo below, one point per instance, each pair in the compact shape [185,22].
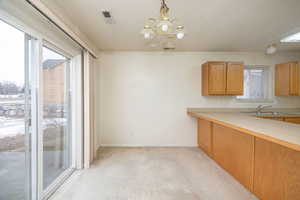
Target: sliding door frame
[32,52]
[34,42]
[28,117]
[47,192]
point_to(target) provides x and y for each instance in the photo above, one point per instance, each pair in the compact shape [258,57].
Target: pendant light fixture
[164,27]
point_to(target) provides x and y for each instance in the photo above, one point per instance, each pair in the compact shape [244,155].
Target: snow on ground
[10,127]
[10,96]
[4,102]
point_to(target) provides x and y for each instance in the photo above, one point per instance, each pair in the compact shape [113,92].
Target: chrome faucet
[261,107]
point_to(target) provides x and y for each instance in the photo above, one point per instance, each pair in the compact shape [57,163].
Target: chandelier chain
[164,8]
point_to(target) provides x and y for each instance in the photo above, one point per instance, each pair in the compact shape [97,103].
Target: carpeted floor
[154,174]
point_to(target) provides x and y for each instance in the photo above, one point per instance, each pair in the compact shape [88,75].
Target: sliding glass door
[35,122]
[57,137]
[15,115]
[40,96]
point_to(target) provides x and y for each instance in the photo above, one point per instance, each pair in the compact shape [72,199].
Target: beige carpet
[154,174]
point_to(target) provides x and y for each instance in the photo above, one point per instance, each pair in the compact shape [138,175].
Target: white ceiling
[212,25]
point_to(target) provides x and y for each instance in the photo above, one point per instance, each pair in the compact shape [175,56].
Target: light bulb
[147,32]
[180,35]
[146,35]
[271,49]
[180,32]
[165,27]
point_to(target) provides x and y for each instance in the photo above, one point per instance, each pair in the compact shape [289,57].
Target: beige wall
[141,97]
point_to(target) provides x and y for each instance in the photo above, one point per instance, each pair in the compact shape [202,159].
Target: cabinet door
[204,135]
[294,79]
[295,120]
[217,78]
[233,150]
[282,79]
[235,79]
[276,171]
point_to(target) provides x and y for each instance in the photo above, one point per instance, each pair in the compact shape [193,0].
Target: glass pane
[254,84]
[257,84]
[13,147]
[56,122]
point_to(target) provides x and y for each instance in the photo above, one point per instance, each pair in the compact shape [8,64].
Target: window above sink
[256,84]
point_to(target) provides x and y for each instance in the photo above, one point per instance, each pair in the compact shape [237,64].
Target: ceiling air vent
[108,17]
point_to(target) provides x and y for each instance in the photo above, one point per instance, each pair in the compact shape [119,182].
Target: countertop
[283,133]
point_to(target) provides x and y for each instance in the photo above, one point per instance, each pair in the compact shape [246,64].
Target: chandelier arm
[174,20]
[153,20]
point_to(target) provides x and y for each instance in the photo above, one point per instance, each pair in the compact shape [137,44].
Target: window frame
[267,85]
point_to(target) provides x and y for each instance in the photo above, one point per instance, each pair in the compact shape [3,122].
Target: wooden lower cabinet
[294,120]
[277,171]
[269,170]
[274,118]
[234,151]
[204,135]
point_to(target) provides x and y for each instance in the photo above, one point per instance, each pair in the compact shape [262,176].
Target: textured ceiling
[212,25]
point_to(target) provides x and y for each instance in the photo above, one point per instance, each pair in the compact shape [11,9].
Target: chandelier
[164,28]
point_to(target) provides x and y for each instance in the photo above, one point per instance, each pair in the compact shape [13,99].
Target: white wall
[141,97]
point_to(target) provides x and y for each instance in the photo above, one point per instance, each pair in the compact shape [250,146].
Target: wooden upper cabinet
[235,79]
[217,78]
[222,78]
[287,79]
[295,79]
